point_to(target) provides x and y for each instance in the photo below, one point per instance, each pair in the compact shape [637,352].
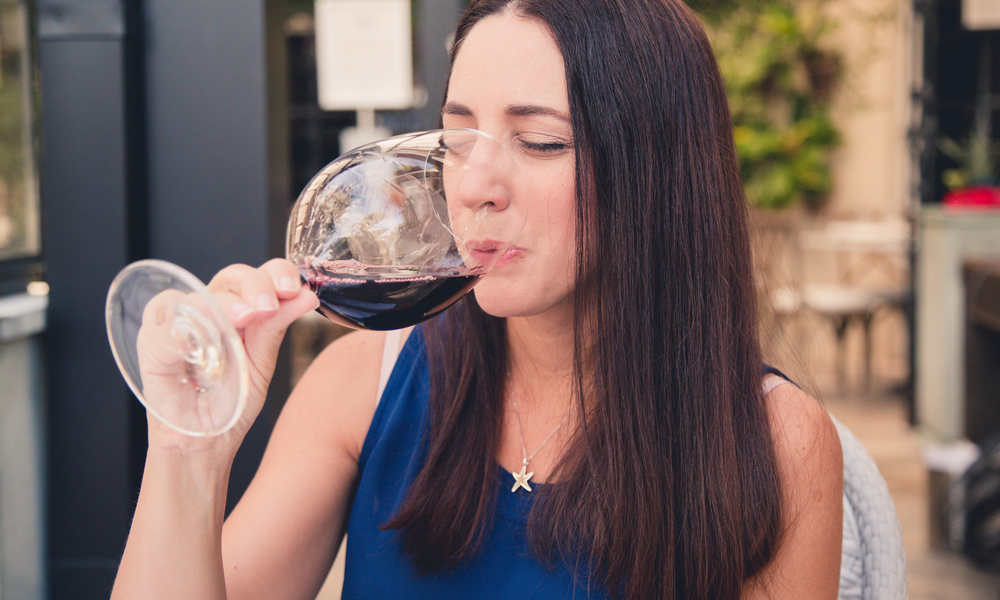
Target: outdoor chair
[873,563]
[868,260]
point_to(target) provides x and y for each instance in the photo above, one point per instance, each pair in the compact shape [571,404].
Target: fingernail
[288,284]
[266,302]
[240,310]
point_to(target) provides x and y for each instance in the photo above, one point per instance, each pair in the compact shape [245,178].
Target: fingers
[284,276]
[156,346]
[246,293]
[275,289]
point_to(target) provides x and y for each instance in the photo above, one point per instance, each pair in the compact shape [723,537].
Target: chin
[493,300]
[501,300]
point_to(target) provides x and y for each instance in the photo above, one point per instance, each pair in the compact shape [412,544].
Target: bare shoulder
[338,393]
[349,353]
[802,430]
[811,471]
[338,390]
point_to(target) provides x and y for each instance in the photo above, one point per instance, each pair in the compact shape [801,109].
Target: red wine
[370,300]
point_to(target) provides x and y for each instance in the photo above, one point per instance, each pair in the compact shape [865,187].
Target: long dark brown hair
[669,487]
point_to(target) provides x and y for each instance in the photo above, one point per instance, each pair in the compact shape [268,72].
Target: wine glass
[387,235]
[176,348]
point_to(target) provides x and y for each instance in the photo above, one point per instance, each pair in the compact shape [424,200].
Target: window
[20,237]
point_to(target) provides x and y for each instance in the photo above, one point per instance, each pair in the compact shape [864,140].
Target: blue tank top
[391,457]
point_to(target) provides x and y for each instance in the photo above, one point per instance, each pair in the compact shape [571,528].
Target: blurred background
[183,130]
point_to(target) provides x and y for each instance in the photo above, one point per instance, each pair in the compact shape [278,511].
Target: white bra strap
[389,354]
[770,382]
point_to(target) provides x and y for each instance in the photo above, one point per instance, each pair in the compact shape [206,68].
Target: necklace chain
[521,478]
[520,429]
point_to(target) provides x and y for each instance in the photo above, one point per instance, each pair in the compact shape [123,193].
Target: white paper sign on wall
[981,14]
[364,54]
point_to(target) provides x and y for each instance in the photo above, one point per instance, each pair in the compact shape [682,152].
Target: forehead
[509,59]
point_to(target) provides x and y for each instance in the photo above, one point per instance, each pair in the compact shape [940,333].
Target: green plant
[780,78]
[978,159]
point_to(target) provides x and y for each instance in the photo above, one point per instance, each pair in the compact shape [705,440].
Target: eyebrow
[515,110]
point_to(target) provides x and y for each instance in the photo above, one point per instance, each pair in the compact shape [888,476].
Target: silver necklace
[521,477]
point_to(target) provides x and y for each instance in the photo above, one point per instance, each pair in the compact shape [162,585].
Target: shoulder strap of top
[770,382]
[772,379]
[389,354]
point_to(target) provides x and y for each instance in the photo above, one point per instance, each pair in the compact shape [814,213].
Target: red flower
[979,196]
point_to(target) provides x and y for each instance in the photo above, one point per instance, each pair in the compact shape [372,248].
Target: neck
[541,359]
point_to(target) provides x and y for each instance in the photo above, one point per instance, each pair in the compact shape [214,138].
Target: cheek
[557,217]
[552,191]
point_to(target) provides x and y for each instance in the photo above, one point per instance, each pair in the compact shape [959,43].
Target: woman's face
[508,80]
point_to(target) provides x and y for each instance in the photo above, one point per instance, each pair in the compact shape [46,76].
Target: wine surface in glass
[383,298]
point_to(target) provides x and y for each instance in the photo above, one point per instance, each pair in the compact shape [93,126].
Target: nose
[483,173]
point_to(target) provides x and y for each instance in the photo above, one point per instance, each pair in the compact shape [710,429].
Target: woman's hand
[174,548]
[261,303]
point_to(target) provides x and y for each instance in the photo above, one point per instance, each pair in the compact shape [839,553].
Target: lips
[487,252]
[511,253]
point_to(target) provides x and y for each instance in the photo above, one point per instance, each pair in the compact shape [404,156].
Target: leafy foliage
[978,160]
[781,80]
[15,154]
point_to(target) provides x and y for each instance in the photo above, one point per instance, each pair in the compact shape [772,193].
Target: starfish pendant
[521,479]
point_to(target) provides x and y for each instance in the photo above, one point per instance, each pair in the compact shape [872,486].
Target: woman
[610,367]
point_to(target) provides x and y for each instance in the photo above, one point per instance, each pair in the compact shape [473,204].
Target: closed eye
[544,146]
